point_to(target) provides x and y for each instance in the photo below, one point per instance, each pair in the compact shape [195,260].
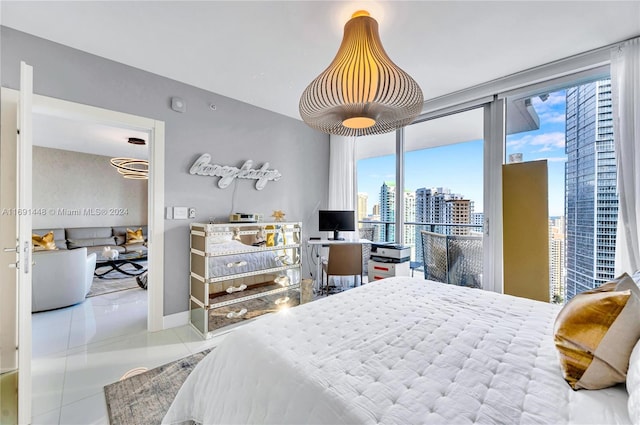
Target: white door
[15,257]
[23,268]
[16,240]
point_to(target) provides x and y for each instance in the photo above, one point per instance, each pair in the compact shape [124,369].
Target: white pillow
[636,277]
[220,238]
[633,385]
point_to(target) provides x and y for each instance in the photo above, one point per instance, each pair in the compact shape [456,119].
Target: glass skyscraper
[591,202]
[388,213]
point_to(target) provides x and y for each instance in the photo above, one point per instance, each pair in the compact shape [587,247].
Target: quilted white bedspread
[395,351]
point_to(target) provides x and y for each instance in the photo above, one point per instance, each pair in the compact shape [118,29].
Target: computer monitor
[336,221]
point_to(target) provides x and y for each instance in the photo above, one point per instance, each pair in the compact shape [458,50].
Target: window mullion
[399,216]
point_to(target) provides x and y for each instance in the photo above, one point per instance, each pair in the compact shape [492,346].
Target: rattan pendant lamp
[362,92]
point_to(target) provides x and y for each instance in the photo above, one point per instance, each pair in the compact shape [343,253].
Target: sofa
[94,239]
[61,278]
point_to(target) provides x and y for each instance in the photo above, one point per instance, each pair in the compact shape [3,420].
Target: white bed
[396,351]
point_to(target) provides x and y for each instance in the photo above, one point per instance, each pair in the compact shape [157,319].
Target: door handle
[27,260]
[15,265]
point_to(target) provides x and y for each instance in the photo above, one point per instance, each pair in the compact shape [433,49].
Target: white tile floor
[78,350]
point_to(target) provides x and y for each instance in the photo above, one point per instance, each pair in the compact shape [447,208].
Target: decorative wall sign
[203,167]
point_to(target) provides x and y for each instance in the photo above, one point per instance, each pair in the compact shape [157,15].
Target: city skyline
[575,136]
[460,166]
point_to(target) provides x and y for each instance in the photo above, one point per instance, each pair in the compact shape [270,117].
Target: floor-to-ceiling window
[544,113]
[376,185]
[443,173]
[573,131]
[443,182]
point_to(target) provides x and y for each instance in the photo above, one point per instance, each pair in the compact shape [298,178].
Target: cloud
[554,99]
[551,110]
[552,117]
[538,143]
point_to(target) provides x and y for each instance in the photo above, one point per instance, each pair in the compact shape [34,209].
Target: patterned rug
[114,282]
[146,397]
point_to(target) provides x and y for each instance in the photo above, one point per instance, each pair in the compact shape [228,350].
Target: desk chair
[434,256]
[465,260]
[452,259]
[345,259]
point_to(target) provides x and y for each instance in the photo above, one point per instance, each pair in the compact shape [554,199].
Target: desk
[319,243]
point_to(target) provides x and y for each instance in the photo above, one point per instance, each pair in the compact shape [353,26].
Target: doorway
[55,108]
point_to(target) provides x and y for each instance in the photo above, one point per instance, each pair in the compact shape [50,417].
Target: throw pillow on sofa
[44,242]
[134,236]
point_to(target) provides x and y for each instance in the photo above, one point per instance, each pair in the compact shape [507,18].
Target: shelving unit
[240,271]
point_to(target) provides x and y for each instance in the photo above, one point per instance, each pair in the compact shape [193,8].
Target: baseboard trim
[175,320]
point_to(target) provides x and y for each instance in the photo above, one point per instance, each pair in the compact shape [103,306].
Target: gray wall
[66,183]
[233,133]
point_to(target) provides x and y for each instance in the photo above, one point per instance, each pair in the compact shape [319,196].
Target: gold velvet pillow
[43,243]
[134,236]
[595,333]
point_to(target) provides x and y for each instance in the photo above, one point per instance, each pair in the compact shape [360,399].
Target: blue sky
[459,167]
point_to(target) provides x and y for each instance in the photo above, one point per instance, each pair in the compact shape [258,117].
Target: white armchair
[61,278]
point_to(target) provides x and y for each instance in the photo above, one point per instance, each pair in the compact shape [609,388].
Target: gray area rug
[145,398]
[114,282]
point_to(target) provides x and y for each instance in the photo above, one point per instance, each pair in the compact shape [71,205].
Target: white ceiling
[87,137]
[266,52]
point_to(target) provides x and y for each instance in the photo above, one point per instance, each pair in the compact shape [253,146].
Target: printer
[389,252]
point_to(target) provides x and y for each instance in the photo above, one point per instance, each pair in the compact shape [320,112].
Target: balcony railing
[453,252]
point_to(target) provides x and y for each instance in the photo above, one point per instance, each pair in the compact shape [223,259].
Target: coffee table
[132,258]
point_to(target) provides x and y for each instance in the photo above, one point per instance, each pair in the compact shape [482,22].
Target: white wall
[74,189]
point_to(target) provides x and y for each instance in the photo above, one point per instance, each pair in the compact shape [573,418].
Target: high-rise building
[388,213]
[458,211]
[478,220]
[375,211]
[439,205]
[362,206]
[557,270]
[409,238]
[431,206]
[591,203]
